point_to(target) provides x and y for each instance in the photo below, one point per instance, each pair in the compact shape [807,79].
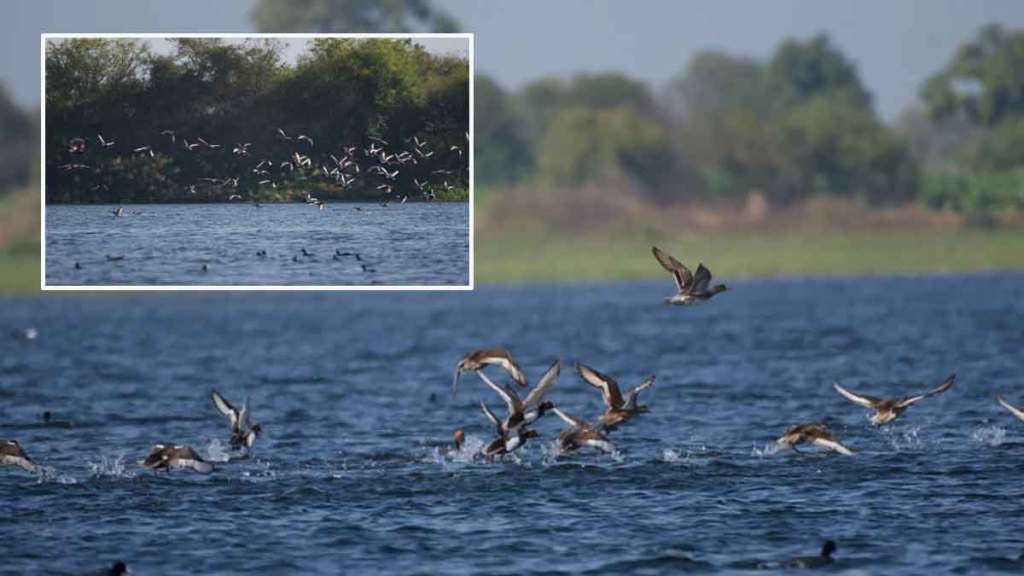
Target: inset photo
[272,161]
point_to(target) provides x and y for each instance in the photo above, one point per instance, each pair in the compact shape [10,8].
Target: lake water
[354,394]
[415,244]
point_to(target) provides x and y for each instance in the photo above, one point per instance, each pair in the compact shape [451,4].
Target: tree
[586,144]
[502,151]
[799,71]
[351,16]
[839,147]
[984,82]
[16,153]
[713,82]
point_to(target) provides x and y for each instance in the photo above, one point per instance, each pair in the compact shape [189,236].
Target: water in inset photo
[200,161]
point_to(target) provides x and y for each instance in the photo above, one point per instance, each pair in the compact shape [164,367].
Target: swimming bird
[1013,409]
[693,288]
[243,431]
[119,211]
[619,408]
[119,568]
[506,442]
[822,559]
[477,360]
[176,457]
[813,434]
[526,411]
[887,410]
[78,266]
[11,454]
[580,433]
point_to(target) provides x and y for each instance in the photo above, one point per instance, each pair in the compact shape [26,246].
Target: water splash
[904,439]
[770,449]
[110,466]
[216,451]
[468,453]
[49,474]
[989,435]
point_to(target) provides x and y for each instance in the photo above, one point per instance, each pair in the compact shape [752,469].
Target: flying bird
[887,410]
[479,359]
[693,288]
[619,408]
[814,433]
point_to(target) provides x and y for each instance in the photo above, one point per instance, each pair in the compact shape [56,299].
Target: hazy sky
[895,44]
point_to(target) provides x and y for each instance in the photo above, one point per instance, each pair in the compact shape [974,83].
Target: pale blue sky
[895,44]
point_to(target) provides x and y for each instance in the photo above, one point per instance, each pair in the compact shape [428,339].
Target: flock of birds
[514,430]
[344,165]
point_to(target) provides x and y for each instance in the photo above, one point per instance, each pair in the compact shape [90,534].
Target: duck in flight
[693,287]
[243,431]
[11,454]
[619,408]
[1018,412]
[176,457]
[814,433]
[523,412]
[580,434]
[506,441]
[888,409]
[479,359]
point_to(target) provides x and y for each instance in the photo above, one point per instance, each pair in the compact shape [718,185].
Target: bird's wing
[1013,409]
[946,385]
[545,383]
[681,273]
[865,401]
[490,416]
[832,444]
[608,386]
[506,394]
[629,398]
[701,279]
[225,407]
[503,358]
[569,418]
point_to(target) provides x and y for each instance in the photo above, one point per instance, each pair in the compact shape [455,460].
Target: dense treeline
[797,124]
[17,146]
[196,124]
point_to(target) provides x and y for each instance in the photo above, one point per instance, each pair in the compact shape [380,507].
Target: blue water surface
[413,244]
[354,393]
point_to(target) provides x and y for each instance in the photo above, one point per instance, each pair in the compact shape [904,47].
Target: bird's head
[460,439]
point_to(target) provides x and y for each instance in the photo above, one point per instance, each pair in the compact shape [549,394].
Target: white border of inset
[243,288]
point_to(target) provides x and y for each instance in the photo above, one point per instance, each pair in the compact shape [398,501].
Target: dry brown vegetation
[588,209]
